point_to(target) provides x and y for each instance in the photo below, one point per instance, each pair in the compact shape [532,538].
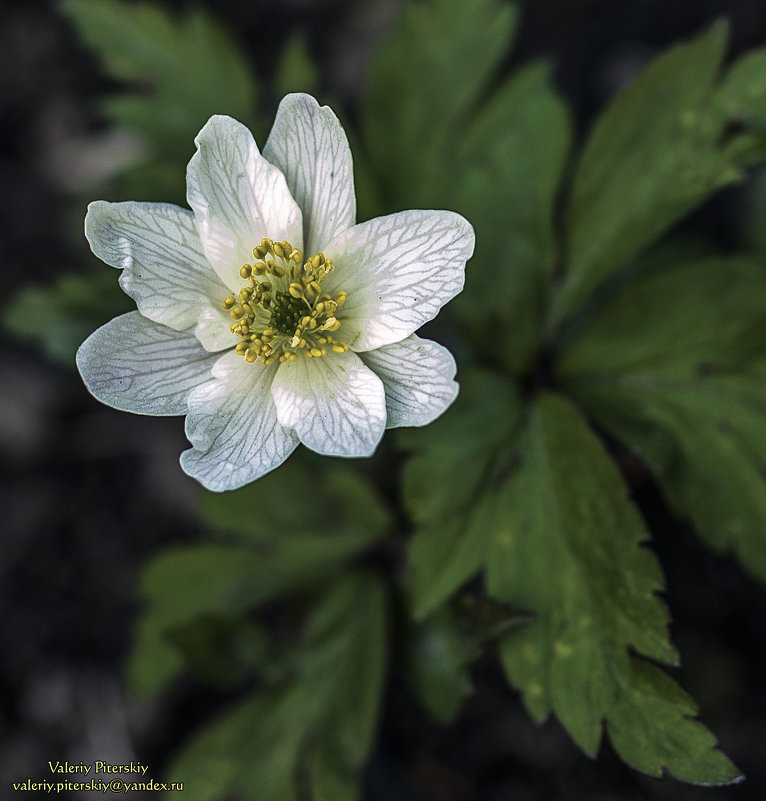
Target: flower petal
[139,366]
[335,404]
[233,426]
[418,376]
[238,198]
[398,272]
[310,147]
[163,267]
[214,329]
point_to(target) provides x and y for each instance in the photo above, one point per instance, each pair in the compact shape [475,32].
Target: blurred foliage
[584,312]
[58,317]
[312,666]
[471,161]
[177,70]
[304,734]
[279,535]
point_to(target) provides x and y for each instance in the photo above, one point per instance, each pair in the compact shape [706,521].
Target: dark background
[88,494]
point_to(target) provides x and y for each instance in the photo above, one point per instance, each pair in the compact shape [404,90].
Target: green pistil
[287,312]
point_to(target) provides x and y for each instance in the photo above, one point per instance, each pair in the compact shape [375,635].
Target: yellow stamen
[282,312]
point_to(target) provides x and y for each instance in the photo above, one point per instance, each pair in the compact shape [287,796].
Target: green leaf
[655,153]
[506,180]
[436,133]
[571,549]
[741,96]
[448,482]
[289,529]
[421,86]
[298,502]
[296,71]
[71,306]
[437,656]
[675,366]
[222,650]
[184,68]
[307,738]
[439,650]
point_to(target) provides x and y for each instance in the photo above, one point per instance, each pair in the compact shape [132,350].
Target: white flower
[312,340]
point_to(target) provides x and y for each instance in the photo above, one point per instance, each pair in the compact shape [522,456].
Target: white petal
[238,198]
[310,147]
[398,271]
[214,329]
[136,365]
[418,376]
[159,251]
[335,404]
[233,426]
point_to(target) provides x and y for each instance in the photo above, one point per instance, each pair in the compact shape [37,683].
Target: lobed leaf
[656,152]
[675,366]
[571,548]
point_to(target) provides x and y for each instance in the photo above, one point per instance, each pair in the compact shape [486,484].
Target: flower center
[283,312]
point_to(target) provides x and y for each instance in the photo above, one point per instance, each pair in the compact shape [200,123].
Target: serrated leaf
[447,483]
[421,85]
[292,528]
[71,306]
[184,67]
[505,180]
[308,738]
[656,152]
[675,366]
[571,551]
